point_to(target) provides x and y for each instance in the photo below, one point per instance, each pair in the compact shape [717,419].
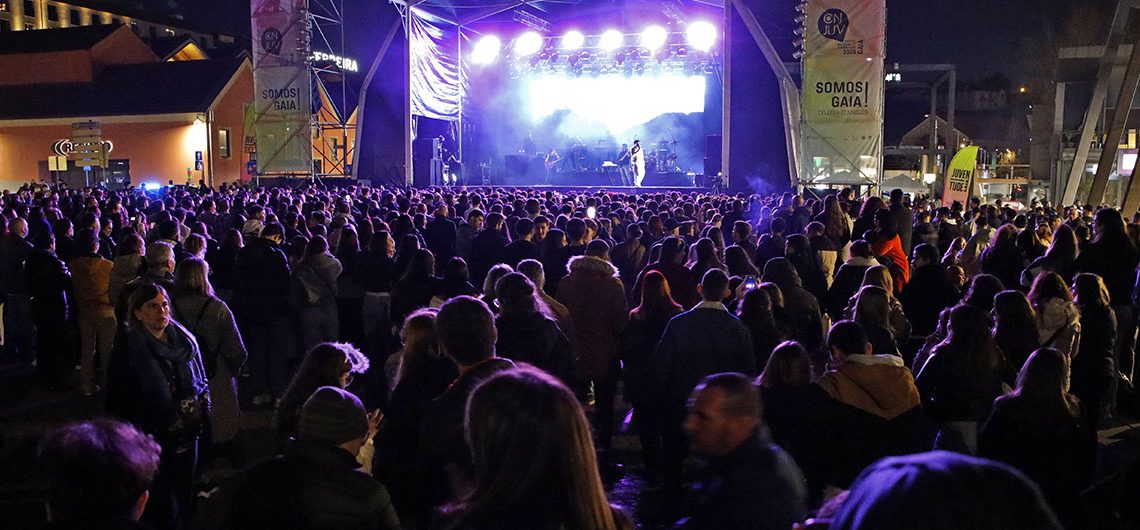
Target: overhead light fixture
[528,44]
[653,37]
[573,40]
[701,35]
[611,40]
[486,50]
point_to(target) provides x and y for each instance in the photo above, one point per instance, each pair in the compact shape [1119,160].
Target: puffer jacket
[1059,325]
[879,384]
[318,275]
[595,297]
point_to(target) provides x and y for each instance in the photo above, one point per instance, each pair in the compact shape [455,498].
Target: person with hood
[314,289]
[593,293]
[527,332]
[1058,320]
[879,384]
[848,279]
[799,304]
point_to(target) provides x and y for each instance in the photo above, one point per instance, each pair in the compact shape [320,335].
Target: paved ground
[26,411]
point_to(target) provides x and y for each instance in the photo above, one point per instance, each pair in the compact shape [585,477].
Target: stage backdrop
[843,91]
[282,91]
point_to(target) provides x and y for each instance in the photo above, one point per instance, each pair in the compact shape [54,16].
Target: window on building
[53,13]
[73,16]
[29,8]
[224,143]
[4,7]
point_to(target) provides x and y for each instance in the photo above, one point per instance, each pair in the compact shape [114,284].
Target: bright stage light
[528,44]
[653,37]
[605,101]
[486,50]
[611,40]
[702,35]
[573,40]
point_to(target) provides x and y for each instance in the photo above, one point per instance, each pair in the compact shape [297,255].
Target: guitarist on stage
[552,160]
[637,163]
[623,164]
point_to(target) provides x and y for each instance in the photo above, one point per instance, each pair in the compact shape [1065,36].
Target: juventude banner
[843,91]
[282,101]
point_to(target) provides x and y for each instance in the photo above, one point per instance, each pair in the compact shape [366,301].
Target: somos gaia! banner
[282,93]
[960,176]
[843,90]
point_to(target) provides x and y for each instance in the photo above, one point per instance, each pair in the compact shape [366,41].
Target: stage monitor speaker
[427,162]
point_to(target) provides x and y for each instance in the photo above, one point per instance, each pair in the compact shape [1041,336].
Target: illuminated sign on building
[344,63]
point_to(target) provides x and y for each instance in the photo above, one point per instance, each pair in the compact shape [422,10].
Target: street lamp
[929,179]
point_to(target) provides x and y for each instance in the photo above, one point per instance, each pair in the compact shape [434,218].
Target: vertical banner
[282,93]
[960,176]
[843,91]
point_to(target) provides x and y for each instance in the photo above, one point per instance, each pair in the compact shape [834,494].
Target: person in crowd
[222,264]
[873,313]
[534,465]
[261,275]
[20,336]
[756,312]
[212,324]
[1094,374]
[551,251]
[924,231]
[527,332]
[771,244]
[455,281]
[671,265]
[982,291]
[441,234]
[326,364]
[887,246]
[798,251]
[416,288]
[865,221]
[748,481]
[1058,320]
[467,230]
[91,274]
[98,474]
[1002,257]
[903,218]
[928,292]
[878,384]
[848,279]
[313,290]
[127,265]
[315,484]
[487,247]
[738,263]
[534,272]
[969,256]
[960,380]
[1038,429]
[629,257]
[490,297]
[703,256]
[897,493]
[522,247]
[824,249]
[742,237]
[158,382]
[702,341]
[1015,327]
[50,287]
[880,276]
[1060,257]
[443,466]
[801,308]
[1112,256]
[593,293]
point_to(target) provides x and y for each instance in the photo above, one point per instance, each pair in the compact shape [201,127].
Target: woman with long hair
[1058,258]
[717,236]
[887,246]
[756,313]
[703,257]
[1037,429]
[983,288]
[209,319]
[314,292]
[528,332]
[961,378]
[798,251]
[835,223]
[1112,256]
[866,220]
[1058,320]
[422,373]
[326,364]
[415,288]
[1094,366]
[880,276]
[349,287]
[873,312]
[738,262]
[533,459]
[1002,258]
[1015,327]
[496,273]
[647,323]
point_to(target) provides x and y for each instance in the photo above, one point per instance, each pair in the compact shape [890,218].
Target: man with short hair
[261,282]
[879,384]
[748,482]
[467,231]
[19,329]
[523,246]
[467,335]
[440,234]
[929,290]
[98,474]
[742,237]
[49,283]
[706,339]
[316,483]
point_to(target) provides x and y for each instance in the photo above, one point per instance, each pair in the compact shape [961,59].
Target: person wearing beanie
[316,483]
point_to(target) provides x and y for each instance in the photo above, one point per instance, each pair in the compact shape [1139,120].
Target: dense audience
[454,359]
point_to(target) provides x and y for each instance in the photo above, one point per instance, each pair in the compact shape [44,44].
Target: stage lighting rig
[486,50]
[573,40]
[611,40]
[528,44]
[653,37]
[701,35]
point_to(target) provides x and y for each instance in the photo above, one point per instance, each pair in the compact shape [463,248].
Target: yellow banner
[960,176]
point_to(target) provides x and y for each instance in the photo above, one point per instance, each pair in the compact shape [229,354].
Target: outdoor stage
[592,178]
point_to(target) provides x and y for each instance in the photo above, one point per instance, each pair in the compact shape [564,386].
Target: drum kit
[663,159]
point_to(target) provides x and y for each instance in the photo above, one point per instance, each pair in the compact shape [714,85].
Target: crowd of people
[452,359]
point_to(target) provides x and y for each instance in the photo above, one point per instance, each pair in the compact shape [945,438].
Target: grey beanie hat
[332,416]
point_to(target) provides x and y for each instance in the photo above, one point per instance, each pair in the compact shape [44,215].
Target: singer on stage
[637,163]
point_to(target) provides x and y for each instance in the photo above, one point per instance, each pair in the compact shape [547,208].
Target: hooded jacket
[1059,325]
[879,384]
[596,300]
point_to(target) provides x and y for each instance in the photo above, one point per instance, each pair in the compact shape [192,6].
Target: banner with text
[282,92]
[843,91]
[960,176]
